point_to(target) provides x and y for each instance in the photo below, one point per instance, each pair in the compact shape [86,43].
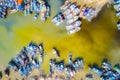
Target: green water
[96,40]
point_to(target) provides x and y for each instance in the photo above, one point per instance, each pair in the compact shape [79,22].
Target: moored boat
[76,11]
[73,25]
[43,16]
[73,30]
[118,13]
[47,11]
[72,6]
[118,25]
[59,18]
[70,9]
[36,16]
[65,5]
[72,20]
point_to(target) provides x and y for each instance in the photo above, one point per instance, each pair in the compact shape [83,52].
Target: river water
[96,40]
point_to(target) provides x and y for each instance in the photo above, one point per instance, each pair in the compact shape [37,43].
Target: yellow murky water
[95,41]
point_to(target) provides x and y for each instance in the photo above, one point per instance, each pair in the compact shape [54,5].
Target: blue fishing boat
[47,11]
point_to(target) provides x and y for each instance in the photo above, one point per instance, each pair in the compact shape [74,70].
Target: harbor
[95,41]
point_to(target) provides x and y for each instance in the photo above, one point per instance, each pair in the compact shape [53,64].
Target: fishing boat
[47,11]
[118,13]
[76,11]
[75,24]
[7,71]
[73,30]
[59,18]
[85,11]
[74,27]
[91,14]
[70,21]
[56,53]
[42,16]
[36,16]
[117,1]
[81,14]
[43,8]
[69,16]
[117,6]
[1,75]
[67,12]
[65,5]
[71,8]
[118,25]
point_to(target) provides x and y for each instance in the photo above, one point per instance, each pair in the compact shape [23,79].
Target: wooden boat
[70,9]
[47,11]
[118,25]
[43,16]
[74,27]
[59,18]
[65,5]
[73,19]
[36,16]
[75,24]
[76,11]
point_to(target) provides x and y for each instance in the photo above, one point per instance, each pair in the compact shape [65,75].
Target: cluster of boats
[69,69]
[4,5]
[39,7]
[70,16]
[106,72]
[29,58]
[32,56]
[117,8]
